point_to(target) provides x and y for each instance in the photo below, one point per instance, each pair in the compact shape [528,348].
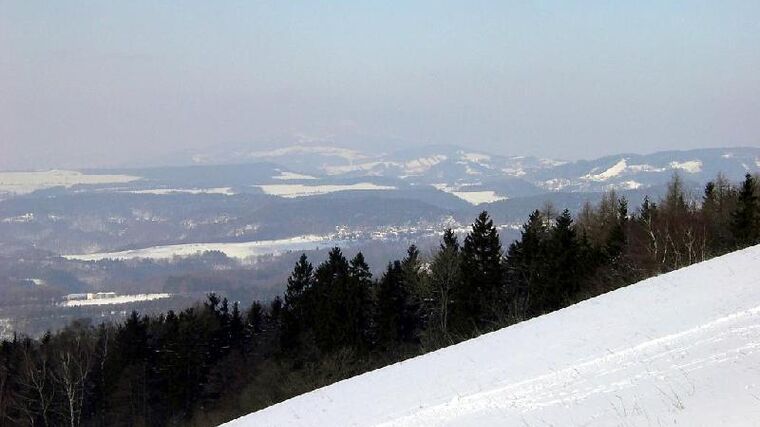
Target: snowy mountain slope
[455,165]
[682,348]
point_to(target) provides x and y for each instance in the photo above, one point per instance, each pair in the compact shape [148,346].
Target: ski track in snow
[680,348]
[669,361]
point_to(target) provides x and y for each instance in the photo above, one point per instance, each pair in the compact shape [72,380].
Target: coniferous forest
[219,360]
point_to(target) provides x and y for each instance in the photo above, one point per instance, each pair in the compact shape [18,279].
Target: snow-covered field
[302,190]
[682,348]
[472,197]
[478,197]
[121,299]
[27,182]
[287,176]
[241,251]
[226,191]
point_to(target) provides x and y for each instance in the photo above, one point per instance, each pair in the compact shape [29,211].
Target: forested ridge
[218,360]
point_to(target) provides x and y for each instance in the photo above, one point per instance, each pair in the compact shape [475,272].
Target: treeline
[214,361]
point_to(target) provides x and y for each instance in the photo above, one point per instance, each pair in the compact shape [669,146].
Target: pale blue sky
[97,83]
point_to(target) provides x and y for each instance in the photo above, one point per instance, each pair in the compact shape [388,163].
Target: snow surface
[615,170]
[472,197]
[681,348]
[345,153]
[475,157]
[692,166]
[226,191]
[241,251]
[287,176]
[121,299]
[28,182]
[478,197]
[418,166]
[302,190]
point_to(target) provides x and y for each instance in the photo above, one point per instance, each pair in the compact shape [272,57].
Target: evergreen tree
[562,278]
[745,224]
[296,309]
[357,301]
[397,319]
[616,241]
[299,282]
[445,280]
[450,241]
[483,300]
[526,267]
[255,318]
[339,302]
[392,301]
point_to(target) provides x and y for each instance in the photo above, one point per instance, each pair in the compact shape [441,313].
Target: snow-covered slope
[682,348]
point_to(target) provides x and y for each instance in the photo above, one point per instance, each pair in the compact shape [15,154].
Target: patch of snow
[287,176]
[613,171]
[514,172]
[302,190]
[547,162]
[468,169]
[360,167]
[226,191]
[27,182]
[478,197]
[120,299]
[556,184]
[344,153]
[241,251]
[423,164]
[475,157]
[629,185]
[25,218]
[644,168]
[691,166]
[37,282]
[727,155]
[680,348]
[471,197]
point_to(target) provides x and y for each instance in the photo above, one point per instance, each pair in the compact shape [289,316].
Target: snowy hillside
[681,348]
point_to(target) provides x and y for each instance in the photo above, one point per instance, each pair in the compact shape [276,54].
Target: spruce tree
[562,280]
[445,280]
[450,240]
[357,301]
[526,267]
[296,309]
[398,313]
[482,302]
[299,283]
[392,301]
[745,224]
[616,241]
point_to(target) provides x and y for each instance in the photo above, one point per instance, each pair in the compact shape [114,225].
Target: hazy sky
[98,83]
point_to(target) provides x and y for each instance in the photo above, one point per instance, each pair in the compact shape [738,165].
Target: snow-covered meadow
[28,182]
[303,190]
[681,348]
[120,299]
[242,250]
[472,197]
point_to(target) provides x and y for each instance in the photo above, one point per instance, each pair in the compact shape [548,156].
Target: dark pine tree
[526,267]
[397,313]
[616,240]
[482,301]
[745,224]
[563,276]
[295,317]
